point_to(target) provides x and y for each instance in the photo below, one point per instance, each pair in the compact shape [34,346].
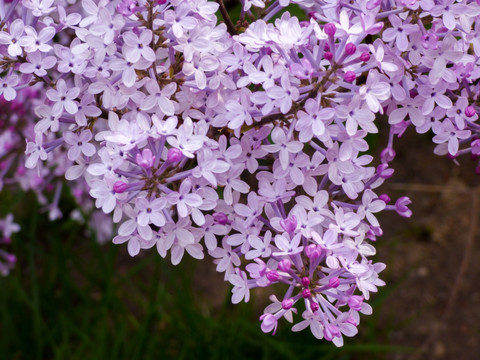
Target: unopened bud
[385,198]
[119,187]
[314,306]
[273,275]
[174,155]
[289,224]
[313,251]
[334,282]
[287,304]
[305,281]
[306,293]
[350,76]
[350,48]
[365,57]
[284,265]
[220,218]
[470,111]
[328,55]
[330,29]
[387,155]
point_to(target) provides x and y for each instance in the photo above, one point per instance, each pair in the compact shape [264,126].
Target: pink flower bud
[314,306]
[365,56]
[334,282]
[350,48]
[273,275]
[146,159]
[220,218]
[401,206]
[174,155]
[305,281]
[384,171]
[269,323]
[287,304]
[330,331]
[313,251]
[330,29]
[289,224]
[306,293]
[475,147]
[350,76]
[119,187]
[385,198]
[328,55]
[284,265]
[355,302]
[387,155]
[470,111]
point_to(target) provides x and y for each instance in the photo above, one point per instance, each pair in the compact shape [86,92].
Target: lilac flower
[37,64]
[63,98]
[240,290]
[12,38]
[79,144]
[7,87]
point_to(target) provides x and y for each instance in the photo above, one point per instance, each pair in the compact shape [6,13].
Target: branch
[223,10]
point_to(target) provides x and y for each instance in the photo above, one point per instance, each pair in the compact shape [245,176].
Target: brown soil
[433,300]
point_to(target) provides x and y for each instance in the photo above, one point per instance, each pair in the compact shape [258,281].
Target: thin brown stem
[223,10]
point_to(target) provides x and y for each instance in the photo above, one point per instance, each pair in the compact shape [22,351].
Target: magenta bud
[350,76]
[305,281]
[355,302]
[330,29]
[385,198]
[284,265]
[365,56]
[334,282]
[313,251]
[330,332]
[328,55]
[174,155]
[145,159]
[306,293]
[401,206]
[221,218]
[350,48]
[314,306]
[470,111]
[289,224]
[273,275]
[12,259]
[119,187]
[384,171]
[326,47]
[475,147]
[387,155]
[287,304]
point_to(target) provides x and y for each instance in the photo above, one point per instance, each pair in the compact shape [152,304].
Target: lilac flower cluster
[243,141]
